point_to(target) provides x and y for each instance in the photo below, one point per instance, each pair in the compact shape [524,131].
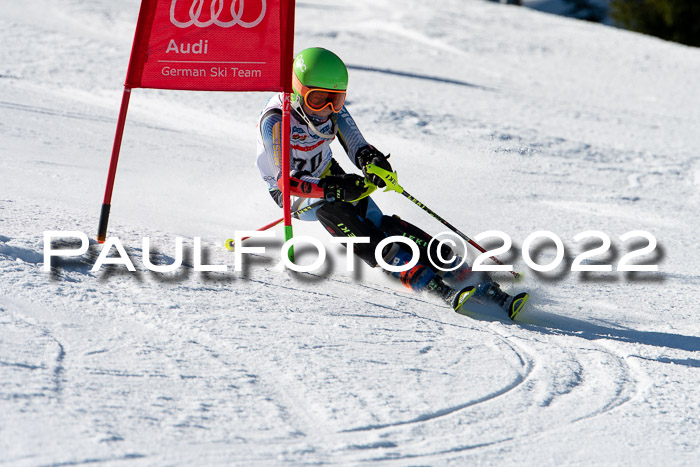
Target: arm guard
[302,188]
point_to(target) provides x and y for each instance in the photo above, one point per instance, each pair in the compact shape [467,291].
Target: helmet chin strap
[296,105]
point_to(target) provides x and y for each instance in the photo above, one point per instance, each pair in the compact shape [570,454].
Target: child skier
[318,115]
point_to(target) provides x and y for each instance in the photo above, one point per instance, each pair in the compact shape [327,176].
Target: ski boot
[422,278]
[511,304]
[453,297]
[455,276]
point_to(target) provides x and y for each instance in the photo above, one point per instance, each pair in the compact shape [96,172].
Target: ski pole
[230,244]
[392,184]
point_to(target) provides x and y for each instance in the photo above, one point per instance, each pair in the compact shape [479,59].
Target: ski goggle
[317,98]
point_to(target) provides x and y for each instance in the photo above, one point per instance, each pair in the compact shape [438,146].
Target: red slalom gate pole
[230,244]
[287,202]
[107,202]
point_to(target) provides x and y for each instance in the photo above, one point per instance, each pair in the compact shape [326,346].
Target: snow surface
[497,117]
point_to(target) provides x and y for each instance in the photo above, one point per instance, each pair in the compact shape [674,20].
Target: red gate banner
[210,45]
[213,45]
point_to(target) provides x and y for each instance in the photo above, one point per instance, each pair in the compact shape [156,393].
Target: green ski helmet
[316,68]
[320,80]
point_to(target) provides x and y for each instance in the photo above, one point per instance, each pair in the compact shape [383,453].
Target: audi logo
[223,13]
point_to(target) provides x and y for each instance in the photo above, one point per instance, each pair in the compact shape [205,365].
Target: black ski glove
[345,188]
[369,155]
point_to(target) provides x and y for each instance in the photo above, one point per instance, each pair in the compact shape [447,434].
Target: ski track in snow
[266,367]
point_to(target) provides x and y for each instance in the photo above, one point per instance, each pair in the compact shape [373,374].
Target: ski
[461,296]
[516,304]
[487,296]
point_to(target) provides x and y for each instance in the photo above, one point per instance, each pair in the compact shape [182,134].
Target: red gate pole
[106,204]
[287,63]
[287,204]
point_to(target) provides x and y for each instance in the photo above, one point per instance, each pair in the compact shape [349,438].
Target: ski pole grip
[390,178]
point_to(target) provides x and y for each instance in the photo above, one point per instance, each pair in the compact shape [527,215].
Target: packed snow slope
[497,117]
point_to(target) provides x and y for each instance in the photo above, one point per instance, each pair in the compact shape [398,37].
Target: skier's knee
[439,254]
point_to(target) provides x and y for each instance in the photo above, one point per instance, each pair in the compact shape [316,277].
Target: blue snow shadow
[15,253]
[418,76]
[549,324]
